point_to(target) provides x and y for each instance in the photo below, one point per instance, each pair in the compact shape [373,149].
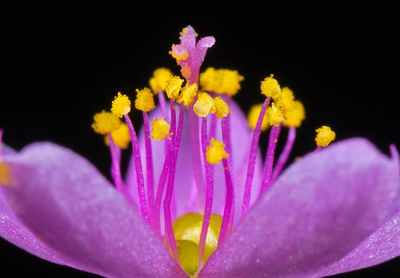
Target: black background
[60,65]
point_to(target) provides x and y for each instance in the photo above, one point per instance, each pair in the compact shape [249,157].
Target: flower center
[187,230]
[193,237]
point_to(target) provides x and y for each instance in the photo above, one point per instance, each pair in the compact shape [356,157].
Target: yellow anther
[5,174]
[324,136]
[179,53]
[215,152]
[270,87]
[159,81]
[187,95]
[221,108]
[105,122]
[252,118]
[204,105]
[174,86]
[121,105]
[293,110]
[183,32]
[295,115]
[159,129]
[287,98]
[144,100]
[221,81]
[187,230]
[275,115]
[120,136]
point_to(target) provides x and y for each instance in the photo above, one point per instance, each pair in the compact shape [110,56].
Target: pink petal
[12,230]
[320,209]
[382,245]
[68,204]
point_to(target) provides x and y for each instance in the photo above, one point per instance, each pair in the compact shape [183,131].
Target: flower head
[198,200]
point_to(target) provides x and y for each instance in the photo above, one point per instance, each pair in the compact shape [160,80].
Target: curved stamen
[226,128]
[116,171]
[169,233]
[226,138]
[213,126]
[252,158]
[284,156]
[269,158]
[209,192]
[160,190]
[139,170]
[195,149]
[229,204]
[149,166]
[163,105]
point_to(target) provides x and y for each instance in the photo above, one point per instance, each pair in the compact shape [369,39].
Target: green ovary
[187,230]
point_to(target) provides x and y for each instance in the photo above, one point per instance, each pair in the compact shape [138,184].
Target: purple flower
[335,210]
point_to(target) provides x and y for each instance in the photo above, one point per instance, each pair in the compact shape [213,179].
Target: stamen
[215,152]
[229,209]
[170,188]
[163,105]
[115,163]
[204,105]
[226,134]
[139,170]
[252,158]
[159,81]
[221,107]
[283,157]
[213,126]
[324,136]
[116,170]
[270,87]
[120,136]
[174,87]
[121,105]
[169,234]
[149,166]
[221,81]
[144,100]
[105,122]
[226,138]
[180,129]
[188,94]
[195,150]
[209,192]
[160,189]
[160,129]
[269,159]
